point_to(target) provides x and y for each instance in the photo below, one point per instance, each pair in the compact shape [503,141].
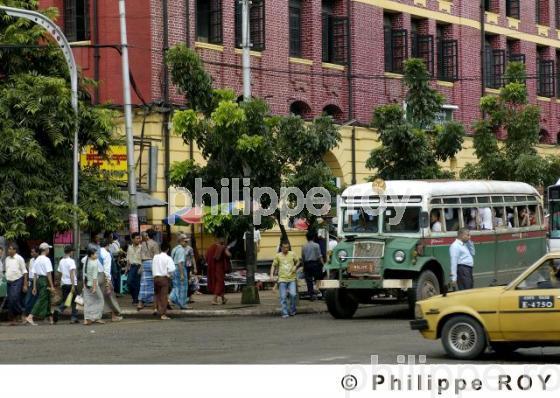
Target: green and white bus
[554,217]
[396,238]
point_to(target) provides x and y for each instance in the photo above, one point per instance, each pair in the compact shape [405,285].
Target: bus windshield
[401,219]
[361,220]
[395,219]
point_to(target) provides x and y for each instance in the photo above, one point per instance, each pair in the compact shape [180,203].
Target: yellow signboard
[114,160]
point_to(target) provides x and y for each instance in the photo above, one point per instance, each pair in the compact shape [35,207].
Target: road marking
[331,359]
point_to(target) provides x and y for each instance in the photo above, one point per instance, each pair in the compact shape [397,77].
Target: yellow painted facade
[339,160]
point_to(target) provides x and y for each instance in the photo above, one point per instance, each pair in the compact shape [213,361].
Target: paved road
[316,339]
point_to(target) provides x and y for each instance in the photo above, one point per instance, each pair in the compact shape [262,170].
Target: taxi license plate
[361,267]
[530,302]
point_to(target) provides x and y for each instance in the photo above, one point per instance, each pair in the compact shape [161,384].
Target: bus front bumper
[365,284]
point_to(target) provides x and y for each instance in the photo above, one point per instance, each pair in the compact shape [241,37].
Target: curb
[194,313]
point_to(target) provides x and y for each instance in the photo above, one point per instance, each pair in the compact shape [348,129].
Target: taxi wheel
[463,337]
[340,304]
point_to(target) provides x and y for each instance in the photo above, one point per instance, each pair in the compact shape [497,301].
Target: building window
[495,64]
[300,108]
[447,56]
[542,12]
[295,28]
[423,48]
[209,21]
[396,46]
[334,112]
[76,20]
[512,8]
[545,77]
[492,6]
[335,35]
[557,12]
[257,25]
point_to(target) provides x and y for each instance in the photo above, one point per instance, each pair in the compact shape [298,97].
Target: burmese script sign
[114,160]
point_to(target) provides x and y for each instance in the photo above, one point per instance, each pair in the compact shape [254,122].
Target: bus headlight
[399,256]
[342,255]
[418,312]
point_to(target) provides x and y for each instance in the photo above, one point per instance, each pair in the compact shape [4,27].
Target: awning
[143,200]
[185,216]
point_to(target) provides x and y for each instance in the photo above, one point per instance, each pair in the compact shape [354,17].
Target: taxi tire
[480,343]
[340,304]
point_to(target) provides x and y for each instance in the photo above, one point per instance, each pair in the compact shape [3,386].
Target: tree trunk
[283,233]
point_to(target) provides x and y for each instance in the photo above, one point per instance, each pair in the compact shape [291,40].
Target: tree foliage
[241,140]
[516,157]
[411,145]
[36,137]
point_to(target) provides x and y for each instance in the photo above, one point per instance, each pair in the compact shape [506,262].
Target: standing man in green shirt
[287,262]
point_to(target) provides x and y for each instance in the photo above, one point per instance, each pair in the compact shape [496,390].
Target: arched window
[334,112]
[300,108]
[543,136]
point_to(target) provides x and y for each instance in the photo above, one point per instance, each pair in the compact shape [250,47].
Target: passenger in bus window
[451,219]
[532,215]
[523,216]
[470,217]
[510,216]
[434,221]
[498,216]
[486,219]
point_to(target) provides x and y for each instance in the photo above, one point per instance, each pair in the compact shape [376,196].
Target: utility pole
[62,42]
[132,205]
[250,294]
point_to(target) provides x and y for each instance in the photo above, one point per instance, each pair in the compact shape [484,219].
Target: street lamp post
[62,42]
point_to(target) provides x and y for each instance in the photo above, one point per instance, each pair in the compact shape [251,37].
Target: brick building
[343,57]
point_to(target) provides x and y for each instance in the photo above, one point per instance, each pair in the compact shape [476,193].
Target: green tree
[516,157]
[241,140]
[36,137]
[411,144]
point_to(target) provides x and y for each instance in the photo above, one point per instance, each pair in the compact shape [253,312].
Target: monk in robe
[217,258]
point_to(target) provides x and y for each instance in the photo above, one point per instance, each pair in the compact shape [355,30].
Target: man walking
[162,268]
[16,276]
[31,298]
[149,249]
[312,263]
[42,285]
[462,252]
[104,280]
[179,293]
[69,284]
[287,262]
[133,266]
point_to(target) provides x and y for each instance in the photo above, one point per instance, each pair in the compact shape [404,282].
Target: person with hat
[42,285]
[69,284]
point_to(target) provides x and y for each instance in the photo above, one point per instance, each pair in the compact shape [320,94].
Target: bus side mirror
[424,219]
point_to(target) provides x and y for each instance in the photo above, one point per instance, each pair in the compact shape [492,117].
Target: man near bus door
[312,263]
[462,260]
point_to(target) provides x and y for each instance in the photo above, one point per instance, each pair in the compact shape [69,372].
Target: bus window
[533,215]
[360,220]
[523,217]
[471,219]
[486,218]
[510,217]
[499,217]
[451,219]
[435,221]
[402,219]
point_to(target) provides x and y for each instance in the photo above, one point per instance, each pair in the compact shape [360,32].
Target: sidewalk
[202,307]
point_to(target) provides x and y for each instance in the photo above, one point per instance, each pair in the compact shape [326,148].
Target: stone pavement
[202,307]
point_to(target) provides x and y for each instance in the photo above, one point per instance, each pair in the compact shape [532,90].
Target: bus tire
[340,304]
[463,337]
[425,286]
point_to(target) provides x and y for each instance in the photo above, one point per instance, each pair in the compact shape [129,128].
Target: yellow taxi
[525,313]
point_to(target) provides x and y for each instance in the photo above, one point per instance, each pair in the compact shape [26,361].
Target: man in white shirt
[462,253]
[486,219]
[69,284]
[105,283]
[42,285]
[16,276]
[162,268]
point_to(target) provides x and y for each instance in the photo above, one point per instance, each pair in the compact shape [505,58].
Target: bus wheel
[427,285]
[340,304]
